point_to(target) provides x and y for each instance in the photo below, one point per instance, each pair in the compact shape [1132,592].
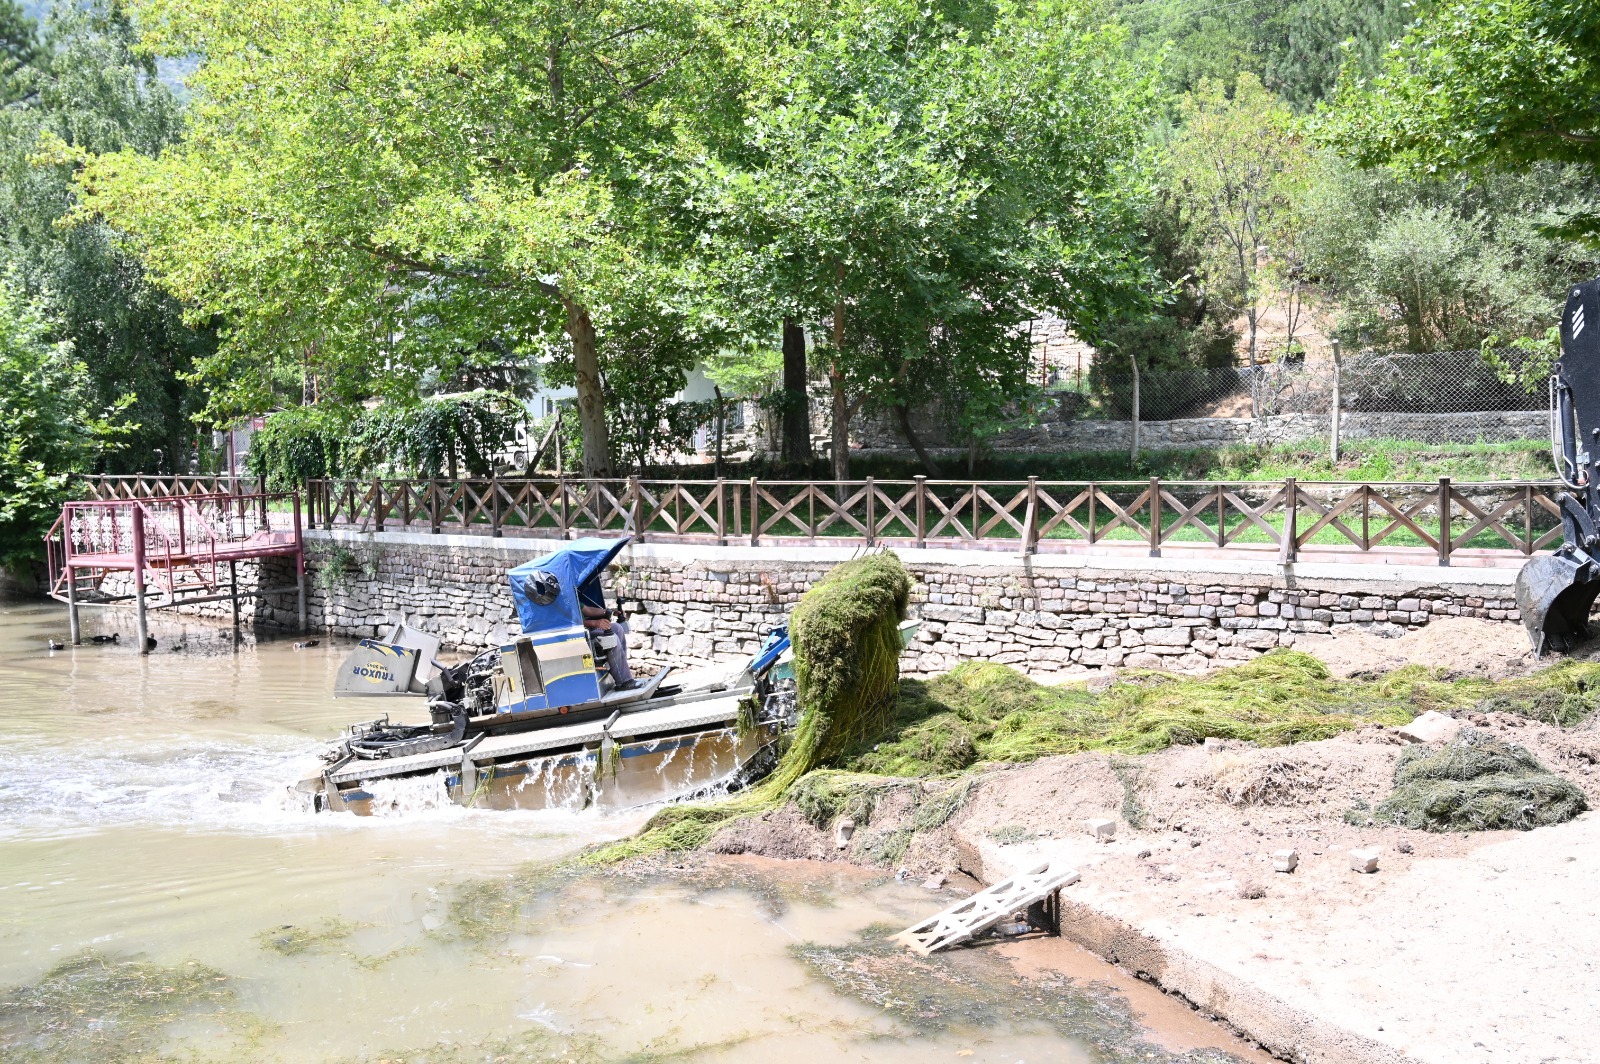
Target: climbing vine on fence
[435,437]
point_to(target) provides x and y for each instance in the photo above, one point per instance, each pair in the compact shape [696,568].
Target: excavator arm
[1556,593]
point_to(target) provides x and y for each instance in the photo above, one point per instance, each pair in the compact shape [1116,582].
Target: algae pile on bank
[846,638]
[1477,782]
[984,712]
[859,717]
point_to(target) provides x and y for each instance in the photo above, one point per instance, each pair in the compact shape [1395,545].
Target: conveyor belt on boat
[668,718]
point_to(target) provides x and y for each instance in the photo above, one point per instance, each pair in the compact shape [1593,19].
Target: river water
[161,899]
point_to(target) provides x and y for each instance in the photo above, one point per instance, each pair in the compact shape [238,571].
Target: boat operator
[600,619]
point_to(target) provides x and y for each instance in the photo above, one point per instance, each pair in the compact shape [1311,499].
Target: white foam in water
[248,788]
[409,795]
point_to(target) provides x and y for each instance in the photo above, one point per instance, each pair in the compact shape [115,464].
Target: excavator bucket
[1554,596]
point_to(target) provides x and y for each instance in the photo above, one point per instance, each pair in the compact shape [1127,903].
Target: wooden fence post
[922,510]
[1030,524]
[494,510]
[377,505]
[1289,548]
[566,521]
[1333,413]
[433,506]
[1444,521]
[722,520]
[636,508]
[872,514]
[755,514]
[1155,517]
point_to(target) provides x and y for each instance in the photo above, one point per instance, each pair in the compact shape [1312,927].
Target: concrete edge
[1494,581]
[1284,1030]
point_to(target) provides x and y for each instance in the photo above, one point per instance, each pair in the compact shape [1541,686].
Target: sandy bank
[1462,947]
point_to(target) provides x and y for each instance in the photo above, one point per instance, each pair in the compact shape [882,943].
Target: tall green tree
[921,179]
[372,190]
[86,89]
[1237,164]
[50,426]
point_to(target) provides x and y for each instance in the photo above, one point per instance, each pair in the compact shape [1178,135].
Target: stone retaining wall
[1045,614]
[1055,435]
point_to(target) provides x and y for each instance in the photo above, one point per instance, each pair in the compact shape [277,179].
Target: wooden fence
[1440,519]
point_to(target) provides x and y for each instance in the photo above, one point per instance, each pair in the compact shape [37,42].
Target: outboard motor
[1556,593]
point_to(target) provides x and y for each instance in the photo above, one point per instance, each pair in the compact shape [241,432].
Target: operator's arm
[597,617]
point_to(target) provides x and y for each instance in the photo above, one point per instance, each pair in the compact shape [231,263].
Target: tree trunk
[796,403]
[841,424]
[591,398]
[903,414]
[841,402]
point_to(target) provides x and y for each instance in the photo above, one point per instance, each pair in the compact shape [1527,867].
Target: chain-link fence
[1445,396]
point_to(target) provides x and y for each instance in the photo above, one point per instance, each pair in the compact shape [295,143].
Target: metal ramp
[983,910]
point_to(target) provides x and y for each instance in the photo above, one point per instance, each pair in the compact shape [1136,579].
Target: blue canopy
[577,567]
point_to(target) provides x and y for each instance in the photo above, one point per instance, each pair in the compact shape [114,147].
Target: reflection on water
[160,894]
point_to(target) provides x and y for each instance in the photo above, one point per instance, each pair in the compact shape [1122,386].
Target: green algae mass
[983,712]
[861,720]
[95,1007]
[1477,782]
[846,638]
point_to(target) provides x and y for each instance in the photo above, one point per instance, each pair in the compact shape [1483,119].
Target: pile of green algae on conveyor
[863,729]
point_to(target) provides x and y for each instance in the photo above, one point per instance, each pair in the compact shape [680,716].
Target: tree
[50,428]
[1236,163]
[19,49]
[87,90]
[1502,83]
[374,190]
[1444,263]
[1296,47]
[920,180]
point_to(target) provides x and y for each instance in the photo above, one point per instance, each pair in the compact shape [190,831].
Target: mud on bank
[1463,946]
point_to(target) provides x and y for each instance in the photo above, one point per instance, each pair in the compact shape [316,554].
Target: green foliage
[86,89]
[1237,167]
[1296,46]
[372,193]
[1477,783]
[895,185]
[425,439]
[1431,263]
[50,428]
[1185,331]
[300,444]
[1480,83]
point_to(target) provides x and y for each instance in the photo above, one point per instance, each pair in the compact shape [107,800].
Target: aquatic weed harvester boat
[541,722]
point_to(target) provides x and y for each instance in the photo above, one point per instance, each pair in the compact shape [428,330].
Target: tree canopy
[1503,83]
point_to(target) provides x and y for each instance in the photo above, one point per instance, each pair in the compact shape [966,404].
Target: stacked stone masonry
[689,605]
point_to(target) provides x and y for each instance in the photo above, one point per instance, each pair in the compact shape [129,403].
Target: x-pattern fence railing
[1440,518]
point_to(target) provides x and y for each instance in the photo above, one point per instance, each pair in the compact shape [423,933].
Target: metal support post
[72,605]
[233,593]
[300,565]
[141,611]
[72,579]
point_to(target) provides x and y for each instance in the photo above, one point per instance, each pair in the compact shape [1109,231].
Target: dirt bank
[1462,947]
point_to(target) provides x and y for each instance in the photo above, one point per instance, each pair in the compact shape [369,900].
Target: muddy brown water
[162,898]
